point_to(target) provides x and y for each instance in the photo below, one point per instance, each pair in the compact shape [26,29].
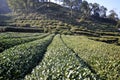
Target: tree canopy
[22,5]
[83,7]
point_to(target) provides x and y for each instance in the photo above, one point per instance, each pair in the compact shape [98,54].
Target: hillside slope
[56,18]
[51,11]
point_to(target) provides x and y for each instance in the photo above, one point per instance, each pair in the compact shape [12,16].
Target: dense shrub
[61,63]
[16,62]
[7,43]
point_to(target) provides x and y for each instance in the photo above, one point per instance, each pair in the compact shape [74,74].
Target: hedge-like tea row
[7,43]
[106,39]
[25,28]
[8,35]
[16,62]
[104,58]
[60,63]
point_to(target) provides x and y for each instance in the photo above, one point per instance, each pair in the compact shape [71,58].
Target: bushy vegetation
[17,61]
[5,19]
[107,39]
[21,29]
[76,57]
[104,58]
[51,17]
[7,43]
[9,35]
[61,63]
[67,57]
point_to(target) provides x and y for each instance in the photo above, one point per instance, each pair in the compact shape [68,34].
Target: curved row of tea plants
[7,43]
[104,58]
[119,41]
[60,63]
[17,61]
[8,35]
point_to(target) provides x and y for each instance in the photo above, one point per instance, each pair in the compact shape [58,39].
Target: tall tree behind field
[85,9]
[22,5]
[72,4]
[113,15]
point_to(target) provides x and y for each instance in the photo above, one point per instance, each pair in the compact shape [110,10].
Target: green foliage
[22,5]
[113,15]
[5,19]
[104,58]
[75,57]
[107,39]
[72,3]
[10,35]
[17,61]
[61,63]
[2,29]
[118,42]
[54,16]
[22,25]
[108,33]
[7,43]
[66,32]
[118,24]
[85,9]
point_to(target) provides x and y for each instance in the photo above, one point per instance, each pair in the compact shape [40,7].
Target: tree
[72,4]
[95,9]
[113,15]
[77,4]
[85,9]
[118,24]
[22,5]
[103,11]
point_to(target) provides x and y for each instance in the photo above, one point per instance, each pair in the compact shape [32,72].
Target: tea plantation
[41,56]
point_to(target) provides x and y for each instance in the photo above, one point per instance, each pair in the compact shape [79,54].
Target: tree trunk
[71,12]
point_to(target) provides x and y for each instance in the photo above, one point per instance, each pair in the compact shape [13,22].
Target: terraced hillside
[55,18]
[38,56]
